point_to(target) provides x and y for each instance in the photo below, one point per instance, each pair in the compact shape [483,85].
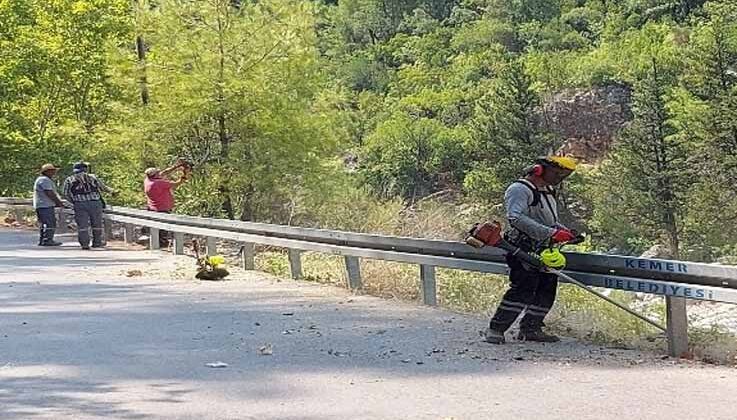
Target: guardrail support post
[153,239]
[18,214]
[212,246]
[429,293]
[178,243]
[353,269]
[248,256]
[128,234]
[295,263]
[677,325]
[61,221]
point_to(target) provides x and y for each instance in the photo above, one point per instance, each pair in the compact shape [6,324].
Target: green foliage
[645,182]
[55,90]
[507,136]
[411,157]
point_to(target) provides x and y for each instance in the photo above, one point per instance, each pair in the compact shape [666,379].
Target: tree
[411,157]
[55,90]
[642,187]
[709,117]
[235,88]
[507,133]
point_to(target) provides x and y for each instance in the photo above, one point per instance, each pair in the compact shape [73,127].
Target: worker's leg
[521,292]
[544,298]
[96,219]
[82,217]
[47,225]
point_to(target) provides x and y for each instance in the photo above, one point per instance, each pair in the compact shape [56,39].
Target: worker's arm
[66,190]
[170,169]
[54,197]
[517,201]
[182,179]
[102,186]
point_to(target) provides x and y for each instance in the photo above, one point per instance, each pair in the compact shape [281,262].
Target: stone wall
[588,120]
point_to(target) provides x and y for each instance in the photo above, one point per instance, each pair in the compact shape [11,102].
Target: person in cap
[532,211]
[84,190]
[159,190]
[45,199]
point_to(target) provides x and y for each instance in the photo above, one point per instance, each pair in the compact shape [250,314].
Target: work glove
[562,235]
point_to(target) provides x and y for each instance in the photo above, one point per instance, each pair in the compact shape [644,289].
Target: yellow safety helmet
[564,162]
[553,258]
[216,260]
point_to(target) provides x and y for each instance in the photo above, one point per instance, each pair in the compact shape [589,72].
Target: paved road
[80,339]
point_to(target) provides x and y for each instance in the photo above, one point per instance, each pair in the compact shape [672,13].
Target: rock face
[589,120]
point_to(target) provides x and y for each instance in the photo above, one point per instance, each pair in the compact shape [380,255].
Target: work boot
[493,336]
[537,335]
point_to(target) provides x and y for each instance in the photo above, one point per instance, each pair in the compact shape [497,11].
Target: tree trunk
[143,80]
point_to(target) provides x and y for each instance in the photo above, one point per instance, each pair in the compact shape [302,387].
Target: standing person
[84,190]
[160,191]
[45,200]
[532,212]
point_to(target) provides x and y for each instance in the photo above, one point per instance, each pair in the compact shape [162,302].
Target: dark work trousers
[530,291]
[88,215]
[47,222]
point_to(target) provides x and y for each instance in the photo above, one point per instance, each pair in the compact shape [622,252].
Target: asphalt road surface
[128,334]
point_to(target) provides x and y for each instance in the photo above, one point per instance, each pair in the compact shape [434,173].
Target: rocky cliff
[588,120]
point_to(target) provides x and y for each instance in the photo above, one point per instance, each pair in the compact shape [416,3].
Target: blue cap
[79,167]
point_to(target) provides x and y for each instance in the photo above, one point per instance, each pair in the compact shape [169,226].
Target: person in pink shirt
[159,191]
[159,188]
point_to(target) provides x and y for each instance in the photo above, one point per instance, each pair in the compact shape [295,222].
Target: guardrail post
[61,221]
[153,239]
[429,294]
[178,243]
[295,263]
[248,256]
[128,234]
[353,269]
[212,246]
[18,214]
[677,326]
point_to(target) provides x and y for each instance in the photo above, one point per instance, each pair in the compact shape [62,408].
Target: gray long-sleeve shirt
[538,221]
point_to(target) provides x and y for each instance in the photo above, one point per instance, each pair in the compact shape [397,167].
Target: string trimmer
[490,233]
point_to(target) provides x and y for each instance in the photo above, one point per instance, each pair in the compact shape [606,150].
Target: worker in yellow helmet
[532,211]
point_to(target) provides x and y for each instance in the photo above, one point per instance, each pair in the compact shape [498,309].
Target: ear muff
[538,169]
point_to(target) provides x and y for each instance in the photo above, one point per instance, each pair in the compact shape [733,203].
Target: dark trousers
[88,215]
[47,222]
[532,292]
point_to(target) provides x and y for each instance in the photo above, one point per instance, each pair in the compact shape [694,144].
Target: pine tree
[643,185]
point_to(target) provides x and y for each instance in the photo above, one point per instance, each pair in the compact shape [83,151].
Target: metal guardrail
[655,269]
[681,279]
